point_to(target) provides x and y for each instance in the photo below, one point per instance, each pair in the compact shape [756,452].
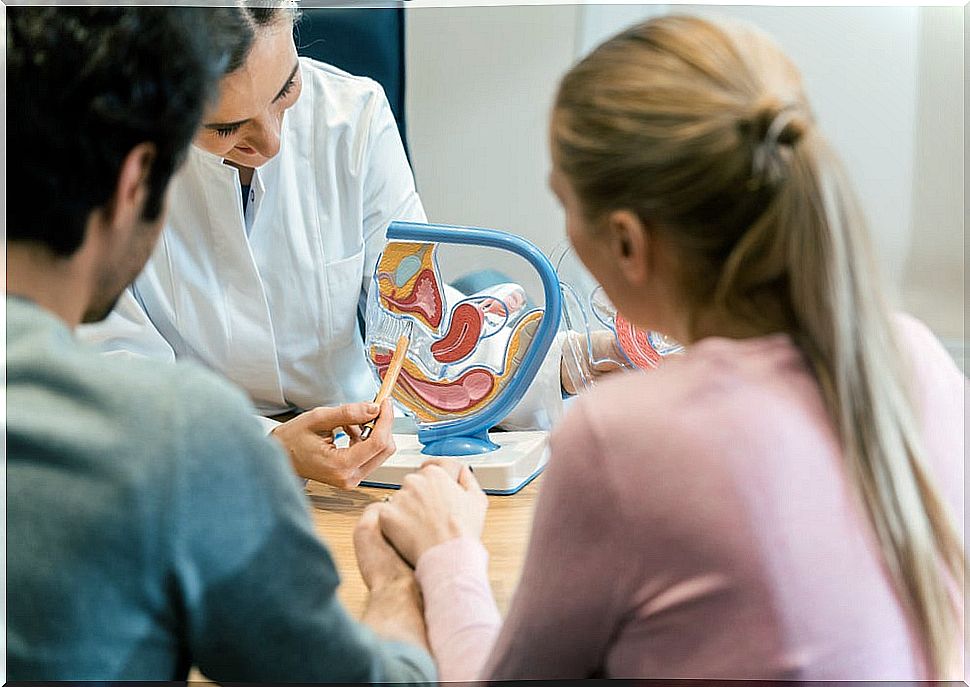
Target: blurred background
[886,84]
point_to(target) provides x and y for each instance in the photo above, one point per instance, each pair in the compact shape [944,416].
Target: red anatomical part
[463,333]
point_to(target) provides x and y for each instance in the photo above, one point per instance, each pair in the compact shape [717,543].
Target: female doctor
[276,222]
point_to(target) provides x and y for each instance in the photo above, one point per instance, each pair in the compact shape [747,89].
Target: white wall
[859,66]
[886,84]
[480,84]
[933,284]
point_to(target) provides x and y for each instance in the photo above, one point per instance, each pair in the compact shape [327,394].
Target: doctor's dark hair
[704,131]
[258,14]
[86,85]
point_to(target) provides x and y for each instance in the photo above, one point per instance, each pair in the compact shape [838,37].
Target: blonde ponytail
[845,330]
[818,238]
[706,132]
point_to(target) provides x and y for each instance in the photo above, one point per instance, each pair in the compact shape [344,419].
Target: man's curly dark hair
[85,85]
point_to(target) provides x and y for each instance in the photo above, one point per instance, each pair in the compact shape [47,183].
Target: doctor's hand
[439,502]
[309,440]
[577,370]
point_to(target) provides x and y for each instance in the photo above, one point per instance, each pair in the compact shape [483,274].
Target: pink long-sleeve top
[698,521]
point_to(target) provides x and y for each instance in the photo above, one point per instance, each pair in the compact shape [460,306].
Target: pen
[387,384]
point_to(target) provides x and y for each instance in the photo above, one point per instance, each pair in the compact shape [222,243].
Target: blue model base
[459,446]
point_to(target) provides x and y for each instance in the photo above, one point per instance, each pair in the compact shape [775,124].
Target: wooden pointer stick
[387,384]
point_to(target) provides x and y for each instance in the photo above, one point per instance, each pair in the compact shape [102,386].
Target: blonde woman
[779,503]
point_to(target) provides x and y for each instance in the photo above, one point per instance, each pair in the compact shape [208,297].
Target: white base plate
[521,456]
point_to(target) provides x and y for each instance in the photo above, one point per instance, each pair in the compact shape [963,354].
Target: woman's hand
[310,444]
[439,502]
[394,605]
[576,368]
[379,564]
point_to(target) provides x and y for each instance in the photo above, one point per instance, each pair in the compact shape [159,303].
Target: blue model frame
[469,436]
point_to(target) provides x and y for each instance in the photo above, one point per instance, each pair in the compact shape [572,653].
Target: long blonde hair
[705,132]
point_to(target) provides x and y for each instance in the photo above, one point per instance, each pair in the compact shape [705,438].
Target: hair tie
[767,163]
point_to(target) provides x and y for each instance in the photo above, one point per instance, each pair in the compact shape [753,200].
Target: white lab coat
[269,298]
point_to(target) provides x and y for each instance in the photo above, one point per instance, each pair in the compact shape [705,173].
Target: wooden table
[335,513]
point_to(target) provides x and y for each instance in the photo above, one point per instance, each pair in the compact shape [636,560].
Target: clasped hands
[439,502]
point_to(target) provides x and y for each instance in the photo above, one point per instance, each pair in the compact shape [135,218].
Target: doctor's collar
[206,156]
[218,164]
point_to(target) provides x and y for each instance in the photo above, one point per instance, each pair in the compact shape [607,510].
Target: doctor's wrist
[289,438]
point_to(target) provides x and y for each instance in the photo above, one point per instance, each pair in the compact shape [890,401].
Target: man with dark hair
[150,523]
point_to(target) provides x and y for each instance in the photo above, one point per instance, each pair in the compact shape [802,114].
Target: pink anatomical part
[424,298]
[449,397]
[635,343]
[456,396]
[503,299]
[463,334]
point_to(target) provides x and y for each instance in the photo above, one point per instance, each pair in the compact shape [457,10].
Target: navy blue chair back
[365,42]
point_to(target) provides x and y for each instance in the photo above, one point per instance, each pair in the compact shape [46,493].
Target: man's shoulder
[134,427]
[153,404]
[169,387]
[194,401]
